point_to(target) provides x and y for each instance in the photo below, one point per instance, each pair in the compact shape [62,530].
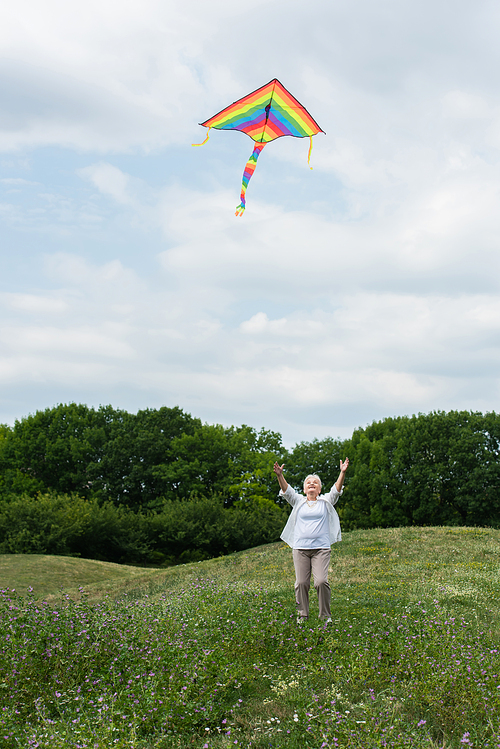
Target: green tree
[428,469]
[52,449]
[448,466]
[252,455]
[319,456]
[131,470]
[104,453]
[234,463]
[372,495]
[202,527]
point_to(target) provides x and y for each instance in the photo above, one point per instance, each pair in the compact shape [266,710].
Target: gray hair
[311,476]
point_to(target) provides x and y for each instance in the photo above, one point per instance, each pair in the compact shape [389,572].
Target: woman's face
[312,487]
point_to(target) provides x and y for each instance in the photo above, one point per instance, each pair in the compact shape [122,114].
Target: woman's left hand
[344,465]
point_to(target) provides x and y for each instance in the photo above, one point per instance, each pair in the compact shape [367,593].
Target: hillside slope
[209,654]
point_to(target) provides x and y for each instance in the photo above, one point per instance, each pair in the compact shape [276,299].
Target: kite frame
[283,135]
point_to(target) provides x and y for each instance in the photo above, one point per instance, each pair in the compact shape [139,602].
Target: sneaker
[301,619]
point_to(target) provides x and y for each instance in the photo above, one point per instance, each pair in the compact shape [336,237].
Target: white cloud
[78,273]
[83,342]
[290,328]
[17,181]
[33,304]
[109,180]
[465,105]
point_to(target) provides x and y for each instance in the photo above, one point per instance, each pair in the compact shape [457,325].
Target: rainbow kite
[266,114]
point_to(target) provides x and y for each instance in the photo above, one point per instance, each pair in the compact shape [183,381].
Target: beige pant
[316,561]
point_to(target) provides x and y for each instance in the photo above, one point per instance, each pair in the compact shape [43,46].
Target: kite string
[202,144]
[310,151]
[247,175]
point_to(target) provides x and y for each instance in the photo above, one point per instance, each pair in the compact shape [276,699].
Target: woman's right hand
[278,470]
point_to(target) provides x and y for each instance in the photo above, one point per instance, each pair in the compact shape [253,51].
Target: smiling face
[312,487]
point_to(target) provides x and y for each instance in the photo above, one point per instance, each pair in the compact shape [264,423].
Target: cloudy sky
[368,287]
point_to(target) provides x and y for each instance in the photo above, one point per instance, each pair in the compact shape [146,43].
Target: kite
[266,114]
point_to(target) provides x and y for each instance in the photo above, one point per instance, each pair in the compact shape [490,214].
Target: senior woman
[311,529]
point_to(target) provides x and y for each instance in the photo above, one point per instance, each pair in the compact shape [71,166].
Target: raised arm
[278,470]
[343,468]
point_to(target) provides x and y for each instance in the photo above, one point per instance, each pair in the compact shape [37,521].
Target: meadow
[209,654]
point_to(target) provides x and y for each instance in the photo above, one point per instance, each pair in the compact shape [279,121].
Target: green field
[209,654]
[48,576]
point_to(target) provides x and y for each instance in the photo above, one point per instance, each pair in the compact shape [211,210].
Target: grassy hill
[46,576]
[210,655]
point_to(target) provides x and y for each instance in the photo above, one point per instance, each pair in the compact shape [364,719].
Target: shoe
[301,619]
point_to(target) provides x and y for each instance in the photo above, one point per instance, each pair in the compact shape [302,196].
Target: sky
[365,288]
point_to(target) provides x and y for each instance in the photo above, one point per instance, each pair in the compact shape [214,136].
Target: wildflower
[421,723]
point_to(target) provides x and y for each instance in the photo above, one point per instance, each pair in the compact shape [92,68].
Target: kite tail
[247,175]
[310,151]
[202,144]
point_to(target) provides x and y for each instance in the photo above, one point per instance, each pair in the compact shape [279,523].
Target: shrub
[180,531]
[72,526]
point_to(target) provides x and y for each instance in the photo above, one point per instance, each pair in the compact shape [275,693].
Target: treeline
[135,460]
[179,531]
[159,487]
[430,469]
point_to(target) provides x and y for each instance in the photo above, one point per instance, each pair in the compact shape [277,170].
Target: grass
[209,654]
[47,575]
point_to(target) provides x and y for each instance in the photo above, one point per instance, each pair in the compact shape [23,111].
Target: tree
[132,469]
[319,456]
[234,463]
[372,495]
[252,455]
[104,453]
[450,465]
[430,469]
[52,449]
[135,460]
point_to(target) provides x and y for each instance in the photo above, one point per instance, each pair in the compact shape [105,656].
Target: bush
[202,527]
[180,531]
[72,526]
